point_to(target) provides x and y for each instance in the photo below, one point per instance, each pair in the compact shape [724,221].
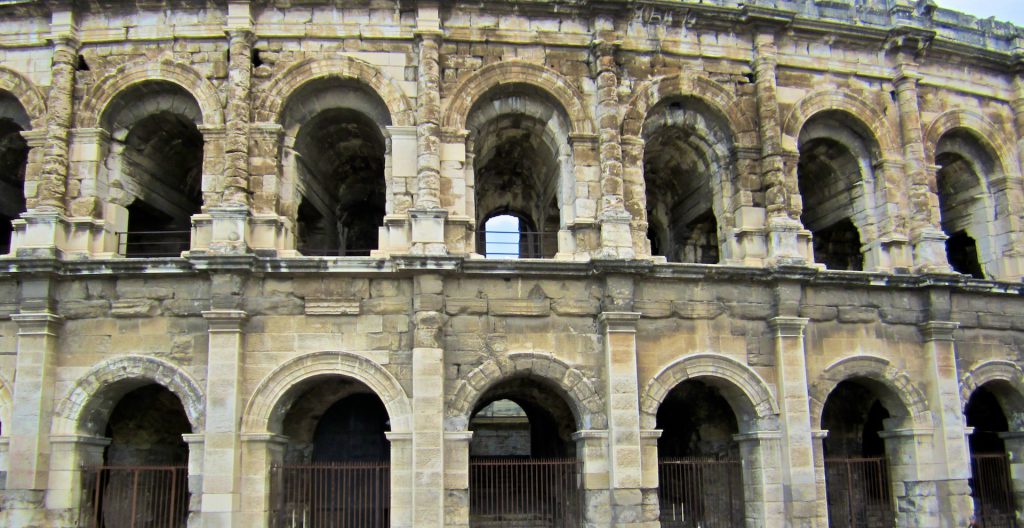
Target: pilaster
[428,219]
[221,500]
[592,450]
[797,453]
[616,241]
[951,452]
[428,453]
[456,478]
[781,245]
[624,443]
[52,184]
[260,452]
[29,429]
[926,235]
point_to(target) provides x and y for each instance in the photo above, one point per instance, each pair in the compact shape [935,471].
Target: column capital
[78,439]
[757,436]
[457,436]
[225,320]
[785,326]
[590,434]
[266,438]
[37,323]
[618,321]
[938,330]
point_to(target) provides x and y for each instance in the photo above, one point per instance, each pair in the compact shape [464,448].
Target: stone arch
[90,400]
[746,392]
[123,77]
[31,99]
[584,400]
[857,108]
[272,103]
[1006,373]
[899,394]
[983,130]
[549,81]
[265,408]
[691,84]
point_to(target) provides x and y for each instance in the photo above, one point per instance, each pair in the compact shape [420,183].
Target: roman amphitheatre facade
[421,263]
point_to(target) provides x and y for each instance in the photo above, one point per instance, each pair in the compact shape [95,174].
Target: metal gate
[525,492]
[135,497]
[859,493]
[992,490]
[699,492]
[335,495]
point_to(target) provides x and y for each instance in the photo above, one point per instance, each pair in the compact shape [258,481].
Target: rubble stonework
[768,202]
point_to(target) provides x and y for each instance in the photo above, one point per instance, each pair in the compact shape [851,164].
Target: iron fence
[700,492]
[859,493]
[335,495]
[517,244]
[525,492]
[992,489]
[144,244]
[135,497]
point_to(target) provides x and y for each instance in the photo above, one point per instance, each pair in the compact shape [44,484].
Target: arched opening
[509,235]
[522,163]
[336,464]
[688,151]
[154,168]
[966,210]
[338,165]
[700,475]
[144,477]
[857,480]
[991,481]
[835,175]
[523,468]
[13,159]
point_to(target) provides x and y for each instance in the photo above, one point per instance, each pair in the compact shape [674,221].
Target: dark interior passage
[13,159]
[700,476]
[857,479]
[991,481]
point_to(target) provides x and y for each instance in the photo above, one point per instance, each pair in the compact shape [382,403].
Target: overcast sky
[1008,10]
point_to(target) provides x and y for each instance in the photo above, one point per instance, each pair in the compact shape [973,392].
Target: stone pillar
[952,455]
[926,235]
[428,460]
[914,484]
[38,232]
[634,193]
[1013,260]
[592,451]
[456,478]
[616,241]
[52,186]
[623,408]
[782,209]
[402,482]
[428,217]
[1014,442]
[260,452]
[798,471]
[762,492]
[400,172]
[69,456]
[818,444]
[32,409]
[221,448]
[649,467]
[270,233]
[195,443]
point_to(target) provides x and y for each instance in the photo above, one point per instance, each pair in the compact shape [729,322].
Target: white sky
[1006,10]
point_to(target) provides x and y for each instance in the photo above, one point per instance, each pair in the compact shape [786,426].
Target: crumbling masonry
[781,236]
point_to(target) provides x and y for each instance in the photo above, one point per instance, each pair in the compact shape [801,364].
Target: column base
[929,248]
[50,234]
[616,238]
[428,231]
[789,244]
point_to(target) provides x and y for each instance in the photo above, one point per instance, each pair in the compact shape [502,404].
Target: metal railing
[142,244]
[335,495]
[135,497]
[527,492]
[700,492]
[992,489]
[859,493]
[517,244]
